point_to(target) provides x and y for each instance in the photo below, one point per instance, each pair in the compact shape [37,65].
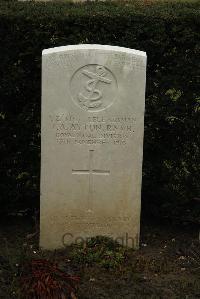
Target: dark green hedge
[169,33]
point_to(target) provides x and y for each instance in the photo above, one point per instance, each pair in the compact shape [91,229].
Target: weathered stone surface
[92,143]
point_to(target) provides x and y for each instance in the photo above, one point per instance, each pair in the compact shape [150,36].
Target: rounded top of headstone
[93,47]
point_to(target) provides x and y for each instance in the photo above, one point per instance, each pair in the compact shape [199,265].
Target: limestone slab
[93,100]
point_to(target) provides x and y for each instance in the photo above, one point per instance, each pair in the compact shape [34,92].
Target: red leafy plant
[42,279]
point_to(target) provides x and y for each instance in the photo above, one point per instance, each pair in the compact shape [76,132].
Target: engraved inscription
[96,90]
[94,130]
[90,171]
[117,60]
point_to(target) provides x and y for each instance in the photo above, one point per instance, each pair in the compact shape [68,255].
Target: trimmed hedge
[170,35]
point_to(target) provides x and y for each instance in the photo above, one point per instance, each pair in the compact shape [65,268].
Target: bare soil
[167,265]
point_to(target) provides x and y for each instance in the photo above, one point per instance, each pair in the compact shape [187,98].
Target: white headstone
[92,144]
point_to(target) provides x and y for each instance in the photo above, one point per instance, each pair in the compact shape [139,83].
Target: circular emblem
[93,87]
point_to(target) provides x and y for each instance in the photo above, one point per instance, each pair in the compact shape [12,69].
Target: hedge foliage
[170,35]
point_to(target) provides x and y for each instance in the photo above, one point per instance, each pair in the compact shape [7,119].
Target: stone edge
[92,47]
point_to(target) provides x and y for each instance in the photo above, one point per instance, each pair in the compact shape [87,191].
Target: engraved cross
[90,171]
